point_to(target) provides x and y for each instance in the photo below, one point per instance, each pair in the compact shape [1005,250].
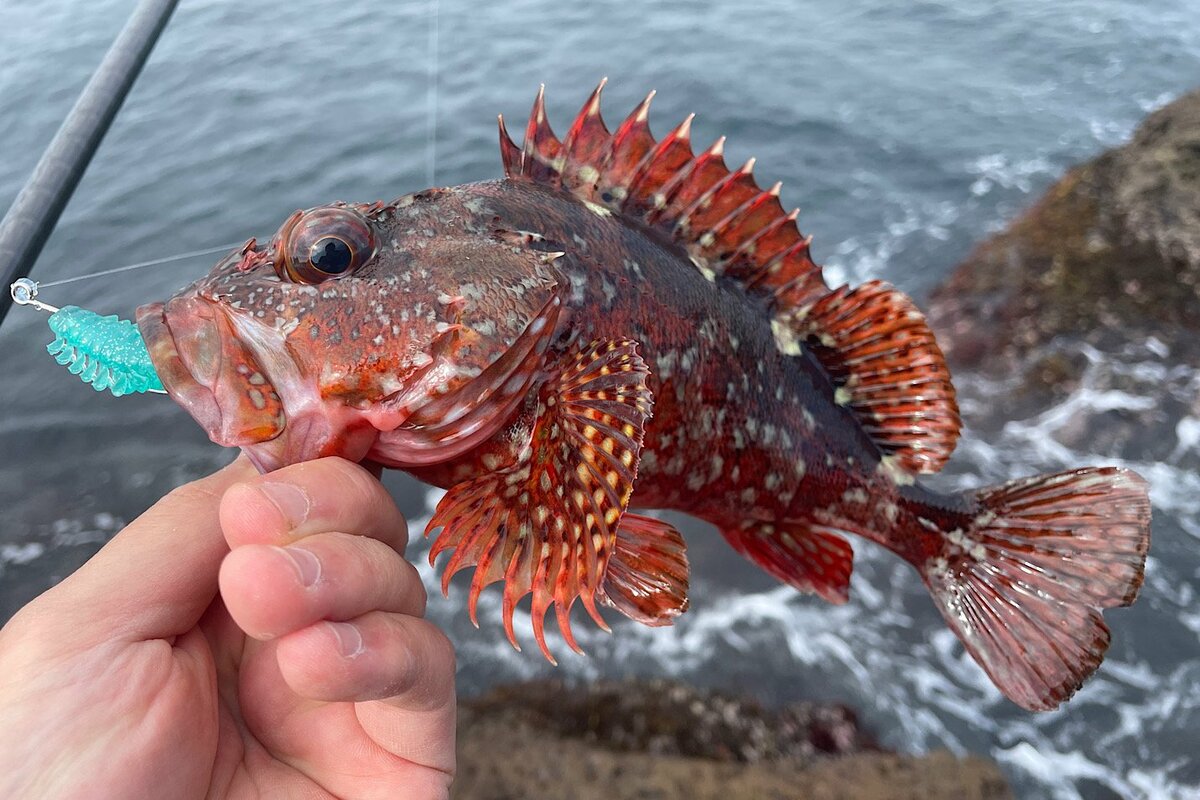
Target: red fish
[625,323]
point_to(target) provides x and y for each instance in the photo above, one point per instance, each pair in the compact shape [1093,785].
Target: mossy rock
[1110,252]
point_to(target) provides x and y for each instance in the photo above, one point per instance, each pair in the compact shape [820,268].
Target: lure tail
[106,352]
[1024,583]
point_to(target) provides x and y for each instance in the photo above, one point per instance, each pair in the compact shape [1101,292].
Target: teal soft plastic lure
[106,352]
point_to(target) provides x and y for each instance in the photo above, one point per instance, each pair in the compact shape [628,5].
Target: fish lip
[180,384]
[190,343]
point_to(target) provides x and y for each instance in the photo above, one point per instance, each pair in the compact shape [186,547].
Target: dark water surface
[907,131]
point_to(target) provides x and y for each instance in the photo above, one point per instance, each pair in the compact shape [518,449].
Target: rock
[664,740]
[1110,254]
[666,718]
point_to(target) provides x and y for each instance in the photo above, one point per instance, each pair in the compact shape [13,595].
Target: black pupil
[331,255]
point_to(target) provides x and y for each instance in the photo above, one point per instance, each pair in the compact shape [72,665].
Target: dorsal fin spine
[754,216]
[542,147]
[752,247]
[691,185]
[775,262]
[698,215]
[510,154]
[730,228]
[586,147]
[720,216]
[703,194]
[798,290]
[665,161]
[631,143]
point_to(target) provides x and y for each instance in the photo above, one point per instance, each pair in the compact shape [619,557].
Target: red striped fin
[812,558]
[647,578]
[548,525]
[886,365]
[1024,583]
[725,221]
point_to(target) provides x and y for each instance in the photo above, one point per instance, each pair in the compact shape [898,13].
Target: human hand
[136,677]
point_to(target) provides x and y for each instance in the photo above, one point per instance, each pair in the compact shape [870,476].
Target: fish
[621,324]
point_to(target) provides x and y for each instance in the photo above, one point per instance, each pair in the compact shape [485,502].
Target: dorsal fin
[727,224]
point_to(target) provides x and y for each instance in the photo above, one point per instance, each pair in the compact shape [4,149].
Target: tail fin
[1023,587]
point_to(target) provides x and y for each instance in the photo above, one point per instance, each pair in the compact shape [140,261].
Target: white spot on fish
[785,338]
[598,210]
[857,496]
[890,466]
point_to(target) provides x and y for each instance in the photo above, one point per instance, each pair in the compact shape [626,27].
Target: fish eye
[324,243]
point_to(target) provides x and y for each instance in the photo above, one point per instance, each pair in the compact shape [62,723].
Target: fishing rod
[33,215]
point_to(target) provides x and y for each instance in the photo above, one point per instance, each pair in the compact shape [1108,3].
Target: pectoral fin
[548,525]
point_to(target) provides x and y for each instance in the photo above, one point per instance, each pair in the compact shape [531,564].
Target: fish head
[349,324]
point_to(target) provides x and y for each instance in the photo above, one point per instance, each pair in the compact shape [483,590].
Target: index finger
[322,496]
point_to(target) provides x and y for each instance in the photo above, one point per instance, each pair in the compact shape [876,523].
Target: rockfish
[624,323]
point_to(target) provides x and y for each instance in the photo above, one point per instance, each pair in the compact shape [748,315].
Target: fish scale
[625,323]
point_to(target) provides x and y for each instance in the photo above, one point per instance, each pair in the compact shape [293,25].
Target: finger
[329,494]
[156,577]
[397,669]
[271,591]
[398,658]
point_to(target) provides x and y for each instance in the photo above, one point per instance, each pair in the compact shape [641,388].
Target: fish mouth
[209,372]
[211,362]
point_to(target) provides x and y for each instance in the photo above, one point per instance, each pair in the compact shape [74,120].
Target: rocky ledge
[658,740]
[1109,255]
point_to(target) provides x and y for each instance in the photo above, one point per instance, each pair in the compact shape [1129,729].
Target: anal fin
[808,556]
[647,578]
[885,365]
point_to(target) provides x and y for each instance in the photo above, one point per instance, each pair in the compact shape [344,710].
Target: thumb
[158,575]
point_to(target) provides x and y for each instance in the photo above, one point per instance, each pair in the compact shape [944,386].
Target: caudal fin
[1024,585]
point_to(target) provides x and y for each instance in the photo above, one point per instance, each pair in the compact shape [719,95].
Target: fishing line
[431,95]
[208,251]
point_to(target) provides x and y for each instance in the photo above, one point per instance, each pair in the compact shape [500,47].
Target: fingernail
[291,501]
[308,566]
[349,639]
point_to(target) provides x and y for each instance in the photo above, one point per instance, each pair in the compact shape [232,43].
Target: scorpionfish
[623,322]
